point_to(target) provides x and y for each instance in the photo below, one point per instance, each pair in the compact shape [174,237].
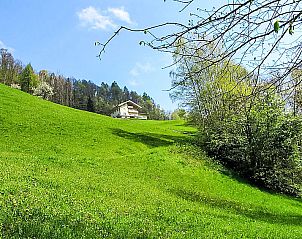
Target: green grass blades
[66,173]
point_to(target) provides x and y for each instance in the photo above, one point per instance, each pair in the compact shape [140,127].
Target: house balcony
[132,111]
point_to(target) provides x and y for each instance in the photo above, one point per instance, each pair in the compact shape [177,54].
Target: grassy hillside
[65,173]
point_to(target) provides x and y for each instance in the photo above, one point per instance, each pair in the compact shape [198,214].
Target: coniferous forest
[68,91]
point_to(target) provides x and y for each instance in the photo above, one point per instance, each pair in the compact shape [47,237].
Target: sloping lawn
[66,173]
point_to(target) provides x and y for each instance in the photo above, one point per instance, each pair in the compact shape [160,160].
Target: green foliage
[295,95]
[263,145]
[291,29]
[67,173]
[90,105]
[238,127]
[212,93]
[149,107]
[28,79]
[276,26]
[179,114]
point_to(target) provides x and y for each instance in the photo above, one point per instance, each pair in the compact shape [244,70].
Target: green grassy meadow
[66,173]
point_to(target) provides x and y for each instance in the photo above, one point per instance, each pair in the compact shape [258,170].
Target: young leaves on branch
[276,26]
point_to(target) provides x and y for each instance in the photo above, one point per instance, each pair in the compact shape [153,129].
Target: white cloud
[91,17]
[141,68]
[121,14]
[2,45]
[138,70]
[96,19]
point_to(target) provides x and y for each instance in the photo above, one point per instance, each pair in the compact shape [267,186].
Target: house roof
[131,102]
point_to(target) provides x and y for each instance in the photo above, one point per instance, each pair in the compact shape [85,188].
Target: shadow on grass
[35,223]
[152,140]
[187,124]
[247,210]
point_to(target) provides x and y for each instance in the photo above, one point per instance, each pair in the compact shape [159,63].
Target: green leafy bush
[262,144]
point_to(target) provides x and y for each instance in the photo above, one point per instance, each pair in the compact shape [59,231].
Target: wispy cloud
[121,14]
[141,68]
[96,19]
[138,70]
[93,18]
[3,46]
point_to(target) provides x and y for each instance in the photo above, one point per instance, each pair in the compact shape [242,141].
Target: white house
[127,110]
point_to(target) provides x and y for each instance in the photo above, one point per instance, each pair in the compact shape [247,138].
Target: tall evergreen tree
[28,79]
[116,93]
[134,97]
[126,94]
[104,91]
[90,105]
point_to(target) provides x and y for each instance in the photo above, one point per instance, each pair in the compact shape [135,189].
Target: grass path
[65,173]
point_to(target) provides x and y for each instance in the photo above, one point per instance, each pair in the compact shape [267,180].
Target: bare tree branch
[262,35]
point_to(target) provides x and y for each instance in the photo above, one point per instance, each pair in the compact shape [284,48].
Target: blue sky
[59,36]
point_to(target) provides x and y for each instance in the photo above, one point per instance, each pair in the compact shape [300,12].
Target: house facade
[127,110]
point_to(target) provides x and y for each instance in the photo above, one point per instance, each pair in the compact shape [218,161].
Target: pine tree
[126,94]
[28,79]
[90,105]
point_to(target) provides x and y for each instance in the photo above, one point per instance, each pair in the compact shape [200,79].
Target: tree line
[79,94]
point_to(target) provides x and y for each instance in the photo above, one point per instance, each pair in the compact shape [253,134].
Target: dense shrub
[262,144]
